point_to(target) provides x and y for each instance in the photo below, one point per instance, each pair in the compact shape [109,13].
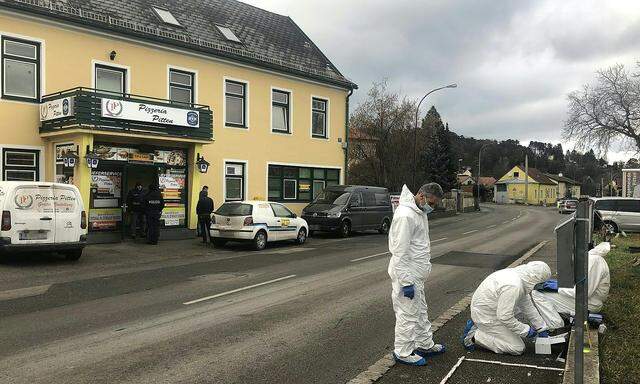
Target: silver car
[619,213]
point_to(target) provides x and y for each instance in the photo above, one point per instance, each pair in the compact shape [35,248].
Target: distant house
[510,189]
[487,182]
[566,187]
[465,180]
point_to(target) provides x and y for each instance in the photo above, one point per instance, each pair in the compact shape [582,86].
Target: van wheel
[302,236]
[218,242]
[345,229]
[611,226]
[260,241]
[73,255]
[384,227]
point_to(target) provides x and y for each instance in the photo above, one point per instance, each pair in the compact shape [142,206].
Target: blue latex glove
[543,334]
[531,334]
[550,285]
[409,291]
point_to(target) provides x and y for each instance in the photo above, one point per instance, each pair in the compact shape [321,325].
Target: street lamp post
[415,128]
[478,177]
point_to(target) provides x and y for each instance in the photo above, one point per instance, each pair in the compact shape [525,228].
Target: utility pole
[584,215]
[526,179]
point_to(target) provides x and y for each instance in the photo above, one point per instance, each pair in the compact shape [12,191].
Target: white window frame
[41,158]
[55,160]
[327,119]
[42,68]
[128,74]
[194,72]
[233,37]
[156,8]
[295,182]
[247,113]
[245,178]
[276,132]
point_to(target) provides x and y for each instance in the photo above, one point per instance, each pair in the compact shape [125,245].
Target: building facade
[513,189]
[146,92]
[566,187]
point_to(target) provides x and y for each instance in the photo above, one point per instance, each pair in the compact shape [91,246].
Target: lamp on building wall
[92,159]
[112,55]
[69,159]
[203,165]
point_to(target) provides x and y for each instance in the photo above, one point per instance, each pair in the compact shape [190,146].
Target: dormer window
[228,34]
[166,17]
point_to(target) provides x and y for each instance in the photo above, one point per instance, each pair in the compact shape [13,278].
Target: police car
[258,222]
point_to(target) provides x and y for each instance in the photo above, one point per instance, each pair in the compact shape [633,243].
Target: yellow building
[144,92]
[511,188]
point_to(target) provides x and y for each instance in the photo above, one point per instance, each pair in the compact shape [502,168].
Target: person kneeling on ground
[495,304]
[552,302]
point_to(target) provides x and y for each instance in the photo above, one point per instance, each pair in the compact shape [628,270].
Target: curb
[380,367]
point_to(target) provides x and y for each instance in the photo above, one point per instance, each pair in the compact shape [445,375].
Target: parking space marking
[466,233]
[435,241]
[24,292]
[506,222]
[370,256]
[238,290]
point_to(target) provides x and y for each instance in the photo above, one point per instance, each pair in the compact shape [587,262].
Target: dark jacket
[205,204]
[153,202]
[135,200]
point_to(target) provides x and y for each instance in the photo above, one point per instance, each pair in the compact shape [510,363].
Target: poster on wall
[64,174]
[173,216]
[106,184]
[108,152]
[104,219]
[175,158]
[631,180]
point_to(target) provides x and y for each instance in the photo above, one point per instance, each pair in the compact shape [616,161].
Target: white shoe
[412,359]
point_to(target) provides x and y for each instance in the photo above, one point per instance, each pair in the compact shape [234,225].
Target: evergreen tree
[438,160]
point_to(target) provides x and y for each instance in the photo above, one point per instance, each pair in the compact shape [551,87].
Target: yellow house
[149,94]
[511,188]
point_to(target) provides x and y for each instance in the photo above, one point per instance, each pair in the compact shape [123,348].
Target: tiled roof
[487,181]
[540,177]
[268,39]
[562,179]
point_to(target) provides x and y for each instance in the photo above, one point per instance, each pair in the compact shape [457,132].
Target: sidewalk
[474,372]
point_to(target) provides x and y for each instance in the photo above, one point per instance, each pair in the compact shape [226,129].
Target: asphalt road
[184,313]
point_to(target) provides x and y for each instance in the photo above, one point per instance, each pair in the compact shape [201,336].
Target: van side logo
[114,108]
[23,201]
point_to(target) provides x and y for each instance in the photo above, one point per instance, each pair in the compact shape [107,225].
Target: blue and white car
[259,222]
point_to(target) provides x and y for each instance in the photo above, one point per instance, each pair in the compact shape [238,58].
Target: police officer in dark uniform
[135,202]
[153,205]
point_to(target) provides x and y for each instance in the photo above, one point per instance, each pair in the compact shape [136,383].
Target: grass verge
[620,345]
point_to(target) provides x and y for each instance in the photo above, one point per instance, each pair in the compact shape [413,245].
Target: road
[183,313]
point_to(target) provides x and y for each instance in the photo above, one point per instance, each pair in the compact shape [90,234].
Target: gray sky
[514,61]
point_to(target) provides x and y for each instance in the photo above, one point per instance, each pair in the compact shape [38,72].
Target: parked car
[568,206]
[346,208]
[258,222]
[619,213]
[42,217]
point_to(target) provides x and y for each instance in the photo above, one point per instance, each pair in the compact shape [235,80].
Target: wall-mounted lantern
[202,164]
[92,159]
[69,159]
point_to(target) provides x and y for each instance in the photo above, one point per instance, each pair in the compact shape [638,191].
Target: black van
[346,208]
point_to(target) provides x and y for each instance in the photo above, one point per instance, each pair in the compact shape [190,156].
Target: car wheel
[384,227]
[302,236]
[611,226]
[73,255]
[218,242]
[260,241]
[345,229]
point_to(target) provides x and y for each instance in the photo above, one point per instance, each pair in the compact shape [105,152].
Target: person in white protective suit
[551,304]
[409,267]
[495,304]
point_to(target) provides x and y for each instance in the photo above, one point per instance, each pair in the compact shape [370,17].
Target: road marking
[435,241]
[24,292]
[466,233]
[492,226]
[238,290]
[369,257]
[514,219]
[506,222]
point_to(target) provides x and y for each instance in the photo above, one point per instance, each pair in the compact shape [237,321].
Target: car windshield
[335,197]
[235,209]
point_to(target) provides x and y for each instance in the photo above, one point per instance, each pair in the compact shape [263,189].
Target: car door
[68,211]
[371,210]
[284,218]
[356,211]
[33,215]
[628,215]
[263,216]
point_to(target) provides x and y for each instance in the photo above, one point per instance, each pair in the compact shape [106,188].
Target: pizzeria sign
[149,113]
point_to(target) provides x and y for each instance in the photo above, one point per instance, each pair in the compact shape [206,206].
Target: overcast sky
[514,61]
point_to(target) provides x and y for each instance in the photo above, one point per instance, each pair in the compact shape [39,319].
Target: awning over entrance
[90,109]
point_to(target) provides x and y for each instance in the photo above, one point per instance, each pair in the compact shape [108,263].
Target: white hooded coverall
[496,302]
[552,304]
[410,249]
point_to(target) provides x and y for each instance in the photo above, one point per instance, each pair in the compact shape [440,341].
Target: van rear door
[32,215]
[68,211]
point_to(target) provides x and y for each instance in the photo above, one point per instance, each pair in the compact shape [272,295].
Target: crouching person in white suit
[551,301]
[495,304]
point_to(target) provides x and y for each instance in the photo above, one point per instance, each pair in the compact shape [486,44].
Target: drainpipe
[346,139]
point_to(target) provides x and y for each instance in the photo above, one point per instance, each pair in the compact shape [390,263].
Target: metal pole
[583,236]
[526,179]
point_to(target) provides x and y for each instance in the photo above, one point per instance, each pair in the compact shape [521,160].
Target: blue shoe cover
[410,360]
[429,352]
[468,346]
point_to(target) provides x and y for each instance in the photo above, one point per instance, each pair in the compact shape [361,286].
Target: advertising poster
[175,158]
[64,175]
[631,180]
[105,218]
[173,216]
[106,184]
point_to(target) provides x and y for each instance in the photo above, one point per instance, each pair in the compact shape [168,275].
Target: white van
[42,217]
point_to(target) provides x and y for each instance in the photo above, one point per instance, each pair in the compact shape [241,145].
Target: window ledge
[283,133]
[236,127]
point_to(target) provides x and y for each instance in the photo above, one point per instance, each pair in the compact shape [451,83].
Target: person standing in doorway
[204,208]
[135,199]
[153,206]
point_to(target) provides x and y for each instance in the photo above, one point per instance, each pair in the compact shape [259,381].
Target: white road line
[466,233]
[506,222]
[435,241]
[24,292]
[238,290]
[369,257]
[492,226]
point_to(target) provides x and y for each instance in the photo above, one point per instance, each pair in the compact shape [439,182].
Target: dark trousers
[204,224]
[136,226]
[153,228]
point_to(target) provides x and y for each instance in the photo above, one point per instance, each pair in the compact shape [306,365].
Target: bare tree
[606,112]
